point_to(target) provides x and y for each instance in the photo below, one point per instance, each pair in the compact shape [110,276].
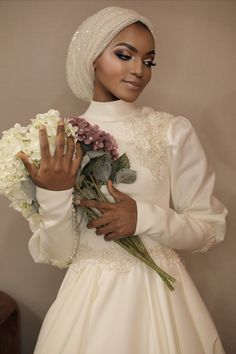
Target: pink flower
[94,137]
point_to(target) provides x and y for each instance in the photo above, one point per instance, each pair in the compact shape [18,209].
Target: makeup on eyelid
[129,46]
[125,57]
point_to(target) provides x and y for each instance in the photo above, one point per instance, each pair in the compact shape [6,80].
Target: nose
[136,67]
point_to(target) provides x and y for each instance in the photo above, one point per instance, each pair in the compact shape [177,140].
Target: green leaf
[84,162]
[99,167]
[123,161]
[35,205]
[29,188]
[117,165]
[125,175]
[103,173]
[93,154]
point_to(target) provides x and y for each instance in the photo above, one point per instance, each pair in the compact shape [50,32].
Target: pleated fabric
[98,311]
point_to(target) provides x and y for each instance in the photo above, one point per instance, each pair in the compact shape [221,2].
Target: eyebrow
[133,48]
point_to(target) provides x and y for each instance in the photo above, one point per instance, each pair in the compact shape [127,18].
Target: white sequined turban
[91,38]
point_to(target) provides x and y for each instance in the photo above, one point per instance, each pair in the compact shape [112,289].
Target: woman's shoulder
[177,127]
[173,119]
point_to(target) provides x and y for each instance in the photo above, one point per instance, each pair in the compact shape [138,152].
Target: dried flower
[94,137]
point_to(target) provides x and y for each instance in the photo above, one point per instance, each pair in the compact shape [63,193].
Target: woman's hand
[56,172]
[118,219]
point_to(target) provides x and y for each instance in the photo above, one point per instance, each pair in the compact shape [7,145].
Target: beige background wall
[195,77]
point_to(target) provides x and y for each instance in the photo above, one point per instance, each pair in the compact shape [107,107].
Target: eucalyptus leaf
[123,161]
[88,193]
[118,164]
[35,205]
[103,173]
[84,162]
[29,188]
[93,154]
[96,166]
[126,175]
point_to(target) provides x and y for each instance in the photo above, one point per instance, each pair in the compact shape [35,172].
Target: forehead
[136,35]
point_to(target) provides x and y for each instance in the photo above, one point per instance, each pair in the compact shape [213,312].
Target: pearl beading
[75,243]
[76,235]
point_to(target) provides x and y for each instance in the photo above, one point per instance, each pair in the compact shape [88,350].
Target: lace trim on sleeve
[211,239]
[59,264]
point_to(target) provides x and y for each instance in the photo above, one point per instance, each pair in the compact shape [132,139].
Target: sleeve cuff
[53,200]
[145,218]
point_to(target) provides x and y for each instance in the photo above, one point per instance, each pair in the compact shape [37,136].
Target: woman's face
[124,67]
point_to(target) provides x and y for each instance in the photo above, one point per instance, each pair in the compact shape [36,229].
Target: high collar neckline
[108,111]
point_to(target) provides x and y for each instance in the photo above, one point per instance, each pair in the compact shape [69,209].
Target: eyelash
[127,57]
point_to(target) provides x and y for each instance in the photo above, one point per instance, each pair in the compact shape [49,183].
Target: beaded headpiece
[91,38]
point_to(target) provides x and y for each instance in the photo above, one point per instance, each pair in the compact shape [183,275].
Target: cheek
[148,76]
[109,68]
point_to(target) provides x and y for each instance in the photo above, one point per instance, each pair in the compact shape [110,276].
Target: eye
[149,63]
[123,57]
[128,57]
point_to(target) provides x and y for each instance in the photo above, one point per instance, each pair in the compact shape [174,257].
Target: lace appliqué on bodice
[115,258]
[148,129]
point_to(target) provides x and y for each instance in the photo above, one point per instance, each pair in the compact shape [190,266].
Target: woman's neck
[109,111]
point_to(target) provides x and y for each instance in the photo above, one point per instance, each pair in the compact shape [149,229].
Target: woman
[109,302]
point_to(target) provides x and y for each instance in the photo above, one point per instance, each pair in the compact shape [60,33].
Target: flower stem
[98,190]
[149,262]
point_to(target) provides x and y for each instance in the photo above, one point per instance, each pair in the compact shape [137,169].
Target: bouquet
[101,162]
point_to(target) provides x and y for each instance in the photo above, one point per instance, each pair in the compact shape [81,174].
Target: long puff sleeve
[54,241]
[197,219]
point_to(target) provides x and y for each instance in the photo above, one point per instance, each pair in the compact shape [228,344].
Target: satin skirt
[99,311]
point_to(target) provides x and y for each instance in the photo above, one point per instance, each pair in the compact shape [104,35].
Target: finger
[117,195]
[77,160]
[70,148]
[111,236]
[44,145]
[60,141]
[95,204]
[106,229]
[29,166]
[102,220]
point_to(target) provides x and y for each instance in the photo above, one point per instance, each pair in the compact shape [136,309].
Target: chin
[130,101]
[128,98]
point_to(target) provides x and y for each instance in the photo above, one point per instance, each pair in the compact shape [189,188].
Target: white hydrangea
[15,183]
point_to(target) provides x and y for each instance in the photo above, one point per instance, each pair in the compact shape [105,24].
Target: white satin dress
[109,302]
